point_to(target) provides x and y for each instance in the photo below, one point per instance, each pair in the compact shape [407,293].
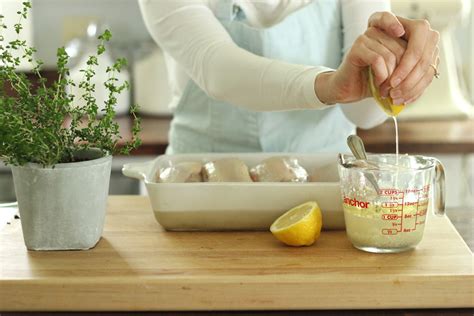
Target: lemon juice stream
[387,105]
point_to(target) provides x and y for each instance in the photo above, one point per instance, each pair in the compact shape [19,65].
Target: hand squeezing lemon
[385,103]
[300,226]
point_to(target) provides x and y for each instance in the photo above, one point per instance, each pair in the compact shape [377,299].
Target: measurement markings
[413,190]
[390,217]
[389,204]
[394,206]
[401,217]
[388,231]
[416,213]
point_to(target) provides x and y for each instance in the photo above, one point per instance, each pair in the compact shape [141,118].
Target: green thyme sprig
[40,123]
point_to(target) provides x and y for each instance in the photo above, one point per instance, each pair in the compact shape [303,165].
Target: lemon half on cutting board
[300,226]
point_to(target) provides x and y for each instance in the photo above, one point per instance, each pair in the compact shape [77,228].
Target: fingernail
[395,94]
[384,93]
[396,82]
[396,29]
[398,101]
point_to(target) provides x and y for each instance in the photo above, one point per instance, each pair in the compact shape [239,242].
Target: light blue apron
[309,36]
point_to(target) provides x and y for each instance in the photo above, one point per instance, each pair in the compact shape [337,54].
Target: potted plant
[60,154]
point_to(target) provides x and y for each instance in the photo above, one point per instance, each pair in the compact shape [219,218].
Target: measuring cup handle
[440,190]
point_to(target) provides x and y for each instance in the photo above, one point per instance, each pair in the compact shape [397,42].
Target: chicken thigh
[226,170]
[180,173]
[279,169]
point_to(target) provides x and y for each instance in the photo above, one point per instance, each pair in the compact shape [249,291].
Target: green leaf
[106,36]
[100,49]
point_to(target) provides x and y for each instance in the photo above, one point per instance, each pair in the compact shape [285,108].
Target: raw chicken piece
[226,170]
[180,173]
[279,169]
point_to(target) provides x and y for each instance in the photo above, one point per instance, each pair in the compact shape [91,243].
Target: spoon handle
[356,145]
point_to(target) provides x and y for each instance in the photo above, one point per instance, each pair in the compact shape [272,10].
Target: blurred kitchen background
[444,113]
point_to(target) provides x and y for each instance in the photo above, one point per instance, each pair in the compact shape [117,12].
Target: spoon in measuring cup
[357,148]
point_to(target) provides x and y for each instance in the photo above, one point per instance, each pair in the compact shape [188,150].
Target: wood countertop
[137,266]
[421,137]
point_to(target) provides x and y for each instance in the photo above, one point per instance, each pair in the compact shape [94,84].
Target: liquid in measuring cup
[392,222]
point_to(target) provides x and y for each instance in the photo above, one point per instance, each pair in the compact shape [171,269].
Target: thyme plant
[39,122]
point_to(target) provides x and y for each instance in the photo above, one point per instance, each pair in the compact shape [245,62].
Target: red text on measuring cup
[355,202]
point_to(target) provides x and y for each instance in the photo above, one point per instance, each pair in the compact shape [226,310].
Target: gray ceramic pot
[63,208]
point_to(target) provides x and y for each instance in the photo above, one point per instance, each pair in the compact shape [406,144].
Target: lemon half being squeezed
[385,103]
[300,226]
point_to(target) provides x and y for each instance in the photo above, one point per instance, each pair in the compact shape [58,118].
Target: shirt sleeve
[190,33]
[364,114]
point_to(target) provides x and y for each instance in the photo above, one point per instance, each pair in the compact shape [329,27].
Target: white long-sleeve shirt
[198,47]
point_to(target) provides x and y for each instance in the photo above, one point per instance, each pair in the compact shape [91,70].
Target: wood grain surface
[137,266]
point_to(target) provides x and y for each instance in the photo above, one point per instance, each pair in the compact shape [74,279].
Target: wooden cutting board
[139,266]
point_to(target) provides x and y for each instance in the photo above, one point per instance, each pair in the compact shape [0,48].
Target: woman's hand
[380,47]
[395,63]
[417,67]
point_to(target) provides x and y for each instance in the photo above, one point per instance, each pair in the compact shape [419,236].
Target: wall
[55,22]
[8,9]
[464,37]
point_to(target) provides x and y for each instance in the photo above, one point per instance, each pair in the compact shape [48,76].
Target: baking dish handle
[137,170]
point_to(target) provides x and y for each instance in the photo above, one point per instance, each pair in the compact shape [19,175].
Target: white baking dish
[239,206]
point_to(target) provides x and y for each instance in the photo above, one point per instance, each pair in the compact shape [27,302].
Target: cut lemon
[385,103]
[300,226]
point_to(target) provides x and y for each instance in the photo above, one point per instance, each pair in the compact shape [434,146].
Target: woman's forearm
[192,35]
[324,88]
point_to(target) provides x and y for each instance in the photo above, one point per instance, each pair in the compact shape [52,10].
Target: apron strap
[226,10]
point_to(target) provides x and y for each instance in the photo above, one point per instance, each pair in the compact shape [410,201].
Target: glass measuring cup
[392,219]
